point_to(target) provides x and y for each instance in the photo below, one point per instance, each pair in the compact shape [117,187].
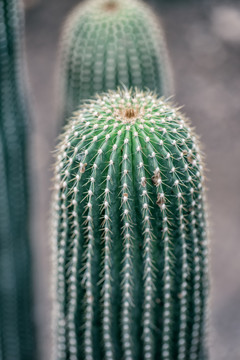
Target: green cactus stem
[130,263]
[16,326]
[109,43]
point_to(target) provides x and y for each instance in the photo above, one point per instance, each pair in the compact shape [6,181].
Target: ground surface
[204,44]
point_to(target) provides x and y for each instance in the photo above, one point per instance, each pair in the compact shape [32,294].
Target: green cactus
[16,328]
[130,264]
[109,43]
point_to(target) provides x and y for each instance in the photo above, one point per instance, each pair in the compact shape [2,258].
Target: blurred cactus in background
[109,43]
[130,257]
[16,324]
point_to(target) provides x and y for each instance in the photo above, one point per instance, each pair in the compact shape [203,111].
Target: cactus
[109,43]
[129,243]
[16,328]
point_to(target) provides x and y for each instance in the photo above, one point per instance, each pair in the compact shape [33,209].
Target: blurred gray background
[204,45]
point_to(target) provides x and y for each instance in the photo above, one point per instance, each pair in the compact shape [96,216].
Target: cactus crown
[129,234]
[109,43]
[110,6]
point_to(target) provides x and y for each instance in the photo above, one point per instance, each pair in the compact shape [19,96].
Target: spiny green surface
[16,329]
[130,257]
[109,43]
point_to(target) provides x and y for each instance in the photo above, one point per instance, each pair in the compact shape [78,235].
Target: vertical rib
[127,283]
[107,264]
[148,235]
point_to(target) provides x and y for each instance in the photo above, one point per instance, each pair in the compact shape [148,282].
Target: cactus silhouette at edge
[16,308]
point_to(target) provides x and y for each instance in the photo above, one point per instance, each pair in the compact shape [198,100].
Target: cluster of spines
[105,46]
[158,162]
[16,330]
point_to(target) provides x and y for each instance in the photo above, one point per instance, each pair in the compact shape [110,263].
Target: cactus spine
[129,233]
[109,43]
[16,328]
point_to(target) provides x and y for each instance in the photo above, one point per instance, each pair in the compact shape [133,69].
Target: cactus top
[129,235]
[135,113]
[109,43]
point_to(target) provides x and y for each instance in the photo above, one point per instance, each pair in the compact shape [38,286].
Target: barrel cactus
[130,264]
[109,43]
[16,326]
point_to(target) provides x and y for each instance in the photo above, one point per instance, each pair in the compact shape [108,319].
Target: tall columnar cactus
[109,43]
[16,329]
[130,264]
